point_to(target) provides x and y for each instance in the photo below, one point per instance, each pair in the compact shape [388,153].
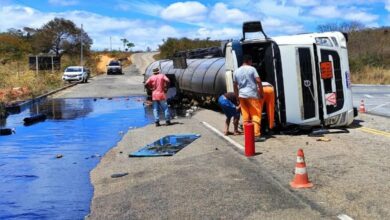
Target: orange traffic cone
[301,179]
[362,109]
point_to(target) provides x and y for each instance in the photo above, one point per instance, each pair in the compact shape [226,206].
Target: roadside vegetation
[59,37]
[172,45]
[369,56]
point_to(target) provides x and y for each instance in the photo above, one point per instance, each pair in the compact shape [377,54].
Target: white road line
[239,146]
[344,217]
[368,96]
[379,106]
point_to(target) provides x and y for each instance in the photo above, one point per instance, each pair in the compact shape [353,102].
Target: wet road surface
[44,167]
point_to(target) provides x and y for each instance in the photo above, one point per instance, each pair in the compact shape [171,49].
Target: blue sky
[147,22]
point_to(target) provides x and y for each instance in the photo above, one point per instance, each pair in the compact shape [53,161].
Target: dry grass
[14,75]
[33,84]
[371,75]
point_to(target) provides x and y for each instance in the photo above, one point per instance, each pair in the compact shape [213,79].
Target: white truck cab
[310,73]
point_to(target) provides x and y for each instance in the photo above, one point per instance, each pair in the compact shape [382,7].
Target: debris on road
[324,139]
[34,119]
[166,146]
[6,131]
[117,175]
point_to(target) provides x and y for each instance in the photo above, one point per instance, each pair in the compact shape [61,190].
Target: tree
[12,47]
[342,27]
[60,36]
[124,41]
[129,46]
[172,45]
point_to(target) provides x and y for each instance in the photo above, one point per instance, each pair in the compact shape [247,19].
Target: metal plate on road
[166,146]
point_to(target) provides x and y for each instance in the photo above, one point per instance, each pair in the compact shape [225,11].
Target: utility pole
[36,65]
[81,51]
[110,44]
[52,64]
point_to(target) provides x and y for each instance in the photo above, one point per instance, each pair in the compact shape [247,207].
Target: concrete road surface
[376,98]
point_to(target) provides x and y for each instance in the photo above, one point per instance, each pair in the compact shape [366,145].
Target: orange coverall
[251,109]
[269,100]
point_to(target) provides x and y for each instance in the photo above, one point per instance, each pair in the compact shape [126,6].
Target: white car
[76,73]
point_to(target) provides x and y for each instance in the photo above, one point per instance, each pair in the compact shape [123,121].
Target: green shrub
[172,45]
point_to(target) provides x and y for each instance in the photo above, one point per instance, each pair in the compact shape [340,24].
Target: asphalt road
[376,98]
[130,83]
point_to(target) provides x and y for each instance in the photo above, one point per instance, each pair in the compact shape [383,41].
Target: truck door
[331,87]
[273,66]
[230,63]
[309,95]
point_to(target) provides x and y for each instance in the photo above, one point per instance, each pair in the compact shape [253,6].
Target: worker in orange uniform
[249,90]
[269,101]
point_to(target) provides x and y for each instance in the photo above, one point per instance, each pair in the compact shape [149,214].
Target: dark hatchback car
[114,67]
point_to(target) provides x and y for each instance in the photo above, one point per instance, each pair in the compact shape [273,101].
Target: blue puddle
[34,184]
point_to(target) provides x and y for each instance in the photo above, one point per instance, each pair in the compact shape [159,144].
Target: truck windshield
[73,70]
[114,64]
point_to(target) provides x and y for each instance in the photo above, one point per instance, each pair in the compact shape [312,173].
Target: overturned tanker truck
[310,74]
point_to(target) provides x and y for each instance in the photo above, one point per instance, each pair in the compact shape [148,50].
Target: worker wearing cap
[158,83]
[269,102]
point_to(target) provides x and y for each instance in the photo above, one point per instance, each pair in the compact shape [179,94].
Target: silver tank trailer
[201,78]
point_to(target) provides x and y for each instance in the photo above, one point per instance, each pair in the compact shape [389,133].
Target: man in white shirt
[249,90]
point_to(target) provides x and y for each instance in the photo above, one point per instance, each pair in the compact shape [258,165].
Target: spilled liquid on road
[34,183]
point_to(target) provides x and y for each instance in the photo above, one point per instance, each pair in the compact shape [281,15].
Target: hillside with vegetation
[369,56]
